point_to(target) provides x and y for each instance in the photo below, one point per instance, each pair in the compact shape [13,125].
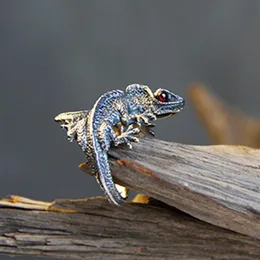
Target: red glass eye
[163,97]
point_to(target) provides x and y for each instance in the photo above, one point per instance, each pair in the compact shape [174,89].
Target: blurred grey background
[60,56]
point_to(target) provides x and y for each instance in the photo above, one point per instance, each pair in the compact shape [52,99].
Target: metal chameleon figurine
[94,130]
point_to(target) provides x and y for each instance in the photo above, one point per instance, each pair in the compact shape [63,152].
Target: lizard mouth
[177,110]
[170,113]
[166,115]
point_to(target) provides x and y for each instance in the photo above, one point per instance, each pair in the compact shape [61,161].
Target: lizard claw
[150,125]
[130,128]
[151,132]
[131,139]
[129,145]
[127,136]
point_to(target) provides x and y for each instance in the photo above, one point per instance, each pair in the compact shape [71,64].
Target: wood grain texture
[213,184]
[96,229]
[217,184]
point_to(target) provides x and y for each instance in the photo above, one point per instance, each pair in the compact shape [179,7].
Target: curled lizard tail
[105,179]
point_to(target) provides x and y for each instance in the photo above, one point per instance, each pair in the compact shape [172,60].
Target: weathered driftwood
[216,184]
[95,229]
[224,124]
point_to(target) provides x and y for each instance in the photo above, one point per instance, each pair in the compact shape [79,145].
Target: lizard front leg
[106,135]
[145,118]
[138,119]
[72,121]
[127,136]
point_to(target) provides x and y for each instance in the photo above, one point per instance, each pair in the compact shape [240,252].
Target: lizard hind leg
[73,122]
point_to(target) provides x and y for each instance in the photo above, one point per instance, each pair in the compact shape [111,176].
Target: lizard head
[162,102]
[166,103]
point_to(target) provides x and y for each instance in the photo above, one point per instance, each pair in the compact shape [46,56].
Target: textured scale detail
[94,130]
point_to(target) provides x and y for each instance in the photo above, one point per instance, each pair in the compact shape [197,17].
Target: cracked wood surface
[95,229]
[217,184]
